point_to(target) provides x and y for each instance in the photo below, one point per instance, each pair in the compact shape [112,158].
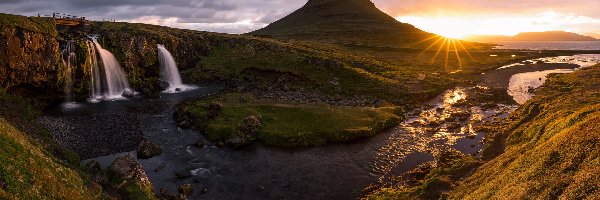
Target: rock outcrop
[29,55]
[128,177]
[148,149]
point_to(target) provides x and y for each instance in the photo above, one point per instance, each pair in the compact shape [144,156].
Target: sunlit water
[522,85]
[550,45]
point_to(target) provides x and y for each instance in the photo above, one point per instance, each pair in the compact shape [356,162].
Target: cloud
[239,16]
[231,16]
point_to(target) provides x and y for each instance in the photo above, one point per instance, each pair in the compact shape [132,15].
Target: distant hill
[594,35]
[533,36]
[356,22]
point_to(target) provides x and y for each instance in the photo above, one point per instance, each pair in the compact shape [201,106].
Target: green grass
[31,164]
[33,24]
[450,167]
[30,173]
[291,125]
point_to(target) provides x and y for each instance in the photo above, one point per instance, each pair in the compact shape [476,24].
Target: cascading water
[168,69]
[114,84]
[68,59]
[96,82]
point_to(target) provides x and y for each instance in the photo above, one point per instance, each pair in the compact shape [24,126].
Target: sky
[453,18]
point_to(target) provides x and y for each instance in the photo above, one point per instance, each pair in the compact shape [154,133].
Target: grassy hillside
[548,149]
[31,165]
[551,145]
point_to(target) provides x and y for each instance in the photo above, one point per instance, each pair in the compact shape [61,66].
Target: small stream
[333,171]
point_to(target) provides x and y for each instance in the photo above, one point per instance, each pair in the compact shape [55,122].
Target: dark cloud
[233,16]
[237,16]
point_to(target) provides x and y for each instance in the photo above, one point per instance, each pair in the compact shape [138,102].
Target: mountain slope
[356,22]
[533,36]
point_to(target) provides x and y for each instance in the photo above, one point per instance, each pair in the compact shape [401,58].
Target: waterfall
[114,83]
[68,59]
[95,81]
[168,69]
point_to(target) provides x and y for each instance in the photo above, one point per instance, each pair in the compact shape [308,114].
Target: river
[333,171]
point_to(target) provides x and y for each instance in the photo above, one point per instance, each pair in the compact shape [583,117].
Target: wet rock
[199,144]
[433,124]
[92,167]
[184,174]
[163,85]
[260,188]
[128,93]
[454,126]
[220,144]
[177,89]
[160,167]
[185,189]
[128,177]
[148,149]
[183,119]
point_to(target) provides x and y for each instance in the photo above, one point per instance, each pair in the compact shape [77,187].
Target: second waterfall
[169,71]
[109,82]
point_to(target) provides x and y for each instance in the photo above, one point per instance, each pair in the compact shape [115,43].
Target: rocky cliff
[29,55]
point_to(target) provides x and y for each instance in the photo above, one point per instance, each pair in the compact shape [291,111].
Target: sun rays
[447,48]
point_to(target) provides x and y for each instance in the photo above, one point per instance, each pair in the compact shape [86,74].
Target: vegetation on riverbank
[32,166]
[548,148]
[240,119]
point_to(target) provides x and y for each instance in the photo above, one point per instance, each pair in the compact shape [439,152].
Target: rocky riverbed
[95,135]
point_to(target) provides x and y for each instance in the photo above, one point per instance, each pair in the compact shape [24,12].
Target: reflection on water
[550,45]
[522,85]
[445,123]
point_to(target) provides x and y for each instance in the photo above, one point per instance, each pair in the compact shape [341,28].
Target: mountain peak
[311,3]
[355,22]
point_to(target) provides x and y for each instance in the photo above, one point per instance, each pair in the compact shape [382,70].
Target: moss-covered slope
[552,145]
[32,166]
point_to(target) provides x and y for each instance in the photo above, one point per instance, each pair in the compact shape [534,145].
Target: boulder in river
[148,149]
[163,85]
[184,174]
[128,93]
[92,167]
[185,189]
[129,178]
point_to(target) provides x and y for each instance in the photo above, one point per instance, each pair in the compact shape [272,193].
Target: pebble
[96,135]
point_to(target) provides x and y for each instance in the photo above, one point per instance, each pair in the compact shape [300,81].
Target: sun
[454,34]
